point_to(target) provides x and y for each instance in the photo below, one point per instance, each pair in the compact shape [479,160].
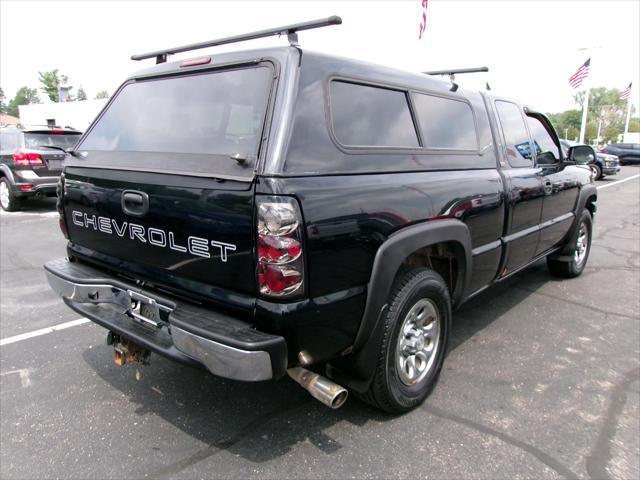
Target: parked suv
[279,211]
[602,164]
[31,160]
[626,152]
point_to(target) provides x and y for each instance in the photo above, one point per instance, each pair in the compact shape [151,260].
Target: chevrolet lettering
[197,246]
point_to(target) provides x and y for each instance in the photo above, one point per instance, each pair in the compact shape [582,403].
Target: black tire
[11,204]
[412,288]
[597,171]
[573,267]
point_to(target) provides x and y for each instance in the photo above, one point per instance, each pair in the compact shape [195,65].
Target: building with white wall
[78,114]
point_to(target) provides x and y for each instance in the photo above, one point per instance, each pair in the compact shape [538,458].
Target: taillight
[60,207]
[27,158]
[279,247]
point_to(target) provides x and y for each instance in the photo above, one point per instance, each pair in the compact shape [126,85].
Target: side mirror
[581,154]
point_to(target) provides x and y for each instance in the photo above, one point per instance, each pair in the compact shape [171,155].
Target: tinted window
[515,135]
[38,140]
[546,150]
[371,116]
[217,113]
[445,123]
[8,142]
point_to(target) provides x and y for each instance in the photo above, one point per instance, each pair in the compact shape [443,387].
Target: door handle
[134,203]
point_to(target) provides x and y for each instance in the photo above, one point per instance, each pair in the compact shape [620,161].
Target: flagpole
[585,109]
[626,123]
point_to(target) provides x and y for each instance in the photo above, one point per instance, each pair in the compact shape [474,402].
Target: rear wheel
[414,340]
[8,201]
[579,254]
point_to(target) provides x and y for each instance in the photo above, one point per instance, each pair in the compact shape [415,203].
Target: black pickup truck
[279,211]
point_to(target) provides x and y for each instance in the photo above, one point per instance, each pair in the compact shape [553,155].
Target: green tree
[634,125]
[3,108]
[24,96]
[599,96]
[102,94]
[606,110]
[50,81]
[82,95]
[590,133]
[566,123]
[610,135]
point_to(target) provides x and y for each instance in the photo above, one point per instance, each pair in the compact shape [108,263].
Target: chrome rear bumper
[226,346]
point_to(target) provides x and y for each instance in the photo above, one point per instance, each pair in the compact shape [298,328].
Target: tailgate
[189,233]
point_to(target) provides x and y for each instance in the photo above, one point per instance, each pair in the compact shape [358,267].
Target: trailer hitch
[125,351]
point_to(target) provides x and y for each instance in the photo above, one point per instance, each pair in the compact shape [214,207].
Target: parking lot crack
[601,455]
[543,457]
[578,304]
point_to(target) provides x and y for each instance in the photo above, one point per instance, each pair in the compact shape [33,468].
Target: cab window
[516,138]
[547,151]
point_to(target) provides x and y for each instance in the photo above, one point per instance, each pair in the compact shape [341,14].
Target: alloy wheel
[418,342]
[582,244]
[5,199]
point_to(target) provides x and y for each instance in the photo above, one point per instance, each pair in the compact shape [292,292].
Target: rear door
[163,188]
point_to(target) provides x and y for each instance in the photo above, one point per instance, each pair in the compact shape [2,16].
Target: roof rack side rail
[458,70]
[290,30]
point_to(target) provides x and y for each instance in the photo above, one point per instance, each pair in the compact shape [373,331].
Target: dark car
[626,152]
[278,211]
[602,164]
[31,160]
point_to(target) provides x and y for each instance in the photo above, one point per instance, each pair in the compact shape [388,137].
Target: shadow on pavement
[242,417]
[486,307]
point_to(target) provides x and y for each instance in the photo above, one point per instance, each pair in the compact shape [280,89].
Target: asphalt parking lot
[542,381]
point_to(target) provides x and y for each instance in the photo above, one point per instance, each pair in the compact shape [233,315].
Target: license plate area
[147,311]
[55,164]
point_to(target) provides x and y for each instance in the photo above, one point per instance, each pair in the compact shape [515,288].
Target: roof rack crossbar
[458,70]
[289,30]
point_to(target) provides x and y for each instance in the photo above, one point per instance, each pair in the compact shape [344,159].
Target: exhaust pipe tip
[339,399]
[320,388]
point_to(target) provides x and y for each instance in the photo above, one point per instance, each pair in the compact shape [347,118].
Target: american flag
[423,22]
[576,79]
[626,93]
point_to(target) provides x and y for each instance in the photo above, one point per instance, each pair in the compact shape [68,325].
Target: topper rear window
[190,119]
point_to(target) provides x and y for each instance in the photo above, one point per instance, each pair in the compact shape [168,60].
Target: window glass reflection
[371,116]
